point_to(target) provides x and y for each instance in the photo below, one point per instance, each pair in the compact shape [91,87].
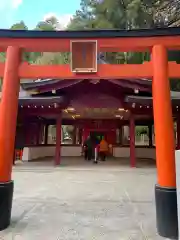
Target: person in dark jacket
[88,147]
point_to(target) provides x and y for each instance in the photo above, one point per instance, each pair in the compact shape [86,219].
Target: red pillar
[163,121]
[132,142]
[165,190]
[58,141]
[41,138]
[38,133]
[80,135]
[46,134]
[8,117]
[74,135]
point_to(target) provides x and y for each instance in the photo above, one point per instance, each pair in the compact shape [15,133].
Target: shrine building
[112,108]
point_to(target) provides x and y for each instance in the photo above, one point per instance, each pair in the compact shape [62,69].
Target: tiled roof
[175,96]
[34,34]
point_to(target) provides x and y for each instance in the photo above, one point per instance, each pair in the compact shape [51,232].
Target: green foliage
[53,21]
[44,26]
[2,57]
[83,19]
[52,58]
[125,14]
[19,26]
[140,130]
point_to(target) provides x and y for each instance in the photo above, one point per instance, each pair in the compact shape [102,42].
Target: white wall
[121,152]
[71,151]
[124,152]
[30,153]
[146,153]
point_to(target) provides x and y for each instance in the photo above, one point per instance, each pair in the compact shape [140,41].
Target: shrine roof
[60,83]
[37,83]
[35,34]
[175,97]
[32,100]
[55,99]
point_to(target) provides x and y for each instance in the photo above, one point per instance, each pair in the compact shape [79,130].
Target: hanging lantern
[136,90]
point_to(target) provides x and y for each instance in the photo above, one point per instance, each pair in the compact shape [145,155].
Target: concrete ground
[82,202]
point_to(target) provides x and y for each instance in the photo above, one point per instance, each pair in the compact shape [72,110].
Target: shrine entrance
[98,134]
[84,47]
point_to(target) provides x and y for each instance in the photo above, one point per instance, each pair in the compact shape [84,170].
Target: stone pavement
[87,203]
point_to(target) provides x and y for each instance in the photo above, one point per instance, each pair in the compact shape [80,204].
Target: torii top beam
[108,40]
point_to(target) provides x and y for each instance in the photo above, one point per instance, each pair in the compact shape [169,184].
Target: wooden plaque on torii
[84,56]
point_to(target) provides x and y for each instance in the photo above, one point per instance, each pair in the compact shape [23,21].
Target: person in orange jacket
[103,149]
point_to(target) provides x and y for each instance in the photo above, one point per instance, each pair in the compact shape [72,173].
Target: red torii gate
[155,41]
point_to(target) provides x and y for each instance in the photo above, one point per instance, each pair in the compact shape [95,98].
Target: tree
[53,21]
[170,10]
[83,18]
[44,26]
[19,26]
[52,58]
[123,14]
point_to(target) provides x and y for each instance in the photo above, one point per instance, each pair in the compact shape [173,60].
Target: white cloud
[10,4]
[62,19]
[7,11]
[16,3]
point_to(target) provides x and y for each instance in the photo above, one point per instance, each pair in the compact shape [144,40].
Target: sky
[33,11]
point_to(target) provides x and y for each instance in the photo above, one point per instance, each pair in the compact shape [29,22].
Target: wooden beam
[107,44]
[39,111]
[174,70]
[105,71]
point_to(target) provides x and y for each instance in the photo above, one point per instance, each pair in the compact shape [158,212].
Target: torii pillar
[8,116]
[132,142]
[165,190]
[58,140]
